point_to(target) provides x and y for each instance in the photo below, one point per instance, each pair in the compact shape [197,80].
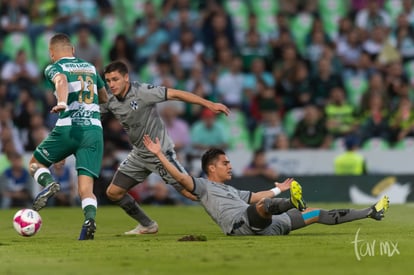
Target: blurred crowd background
[297,74]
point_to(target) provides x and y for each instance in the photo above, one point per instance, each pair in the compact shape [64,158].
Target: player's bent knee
[256,220]
[115,193]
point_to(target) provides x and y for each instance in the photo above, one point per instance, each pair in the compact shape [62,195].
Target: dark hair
[209,157]
[119,66]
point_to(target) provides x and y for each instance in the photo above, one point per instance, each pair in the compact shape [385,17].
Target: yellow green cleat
[296,196]
[379,208]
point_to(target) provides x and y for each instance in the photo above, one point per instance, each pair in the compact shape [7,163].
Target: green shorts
[85,143]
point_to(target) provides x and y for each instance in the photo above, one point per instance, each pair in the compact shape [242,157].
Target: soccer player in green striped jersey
[79,89]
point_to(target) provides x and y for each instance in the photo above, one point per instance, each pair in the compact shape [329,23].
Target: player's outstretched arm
[155,147]
[174,94]
[279,187]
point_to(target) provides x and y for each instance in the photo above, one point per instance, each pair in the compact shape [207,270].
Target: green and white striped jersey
[83,85]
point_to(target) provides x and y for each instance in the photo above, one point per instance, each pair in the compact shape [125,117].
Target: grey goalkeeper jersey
[225,204]
[138,115]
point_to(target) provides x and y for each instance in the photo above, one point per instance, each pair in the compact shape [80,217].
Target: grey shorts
[137,169]
[281,225]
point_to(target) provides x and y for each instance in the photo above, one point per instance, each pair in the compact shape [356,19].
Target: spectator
[186,52]
[87,49]
[350,162]
[323,82]
[402,121]
[256,73]
[258,167]
[373,120]
[159,192]
[122,50]
[404,33]
[282,142]
[196,77]
[110,164]
[13,18]
[20,73]
[149,38]
[80,13]
[340,119]
[349,49]
[208,132]
[395,82]
[114,133]
[230,84]
[216,21]
[375,42]
[43,14]
[37,131]
[177,128]
[253,48]
[4,57]
[16,183]
[269,128]
[311,131]
[372,16]
[67,194]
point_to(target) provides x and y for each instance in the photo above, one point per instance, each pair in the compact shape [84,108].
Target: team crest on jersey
[134,105]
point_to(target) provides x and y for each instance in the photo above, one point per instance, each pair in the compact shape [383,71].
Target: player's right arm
[155,147]
[102,95]
[61,86]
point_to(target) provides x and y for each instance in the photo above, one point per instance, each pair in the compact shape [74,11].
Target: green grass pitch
[385,247]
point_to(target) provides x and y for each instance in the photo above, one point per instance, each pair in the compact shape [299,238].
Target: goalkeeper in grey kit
[134,106]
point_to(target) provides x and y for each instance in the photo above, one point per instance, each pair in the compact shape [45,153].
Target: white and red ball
[27,222]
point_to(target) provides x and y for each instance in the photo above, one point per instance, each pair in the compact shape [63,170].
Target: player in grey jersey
[134,105]
[248,213]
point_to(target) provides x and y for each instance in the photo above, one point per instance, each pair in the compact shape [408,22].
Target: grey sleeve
[199,186]
[245,195]
[153,94]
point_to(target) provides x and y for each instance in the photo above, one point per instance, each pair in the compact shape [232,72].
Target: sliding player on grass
[248,213]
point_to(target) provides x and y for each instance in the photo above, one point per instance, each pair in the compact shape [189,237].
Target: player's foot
[88,230]
[140,229]
[379,208]
[41,199]
[296,196]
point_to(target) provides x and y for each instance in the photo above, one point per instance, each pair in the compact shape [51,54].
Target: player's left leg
[49,151]
[337,216]
[117,192]
[88,164]
[89,206]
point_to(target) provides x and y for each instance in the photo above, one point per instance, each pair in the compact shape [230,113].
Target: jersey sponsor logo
[45,152]
[134,105]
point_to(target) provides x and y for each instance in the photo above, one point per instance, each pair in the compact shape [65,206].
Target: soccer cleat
[379,208]
[41,199]
[140,229]
[88,230]
[296,196]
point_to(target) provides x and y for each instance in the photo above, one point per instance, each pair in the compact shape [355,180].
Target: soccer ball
[27,222]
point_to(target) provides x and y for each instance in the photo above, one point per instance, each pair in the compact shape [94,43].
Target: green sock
[45,179]
[90,212]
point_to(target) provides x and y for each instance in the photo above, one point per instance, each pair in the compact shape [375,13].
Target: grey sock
[277,206]
[337,216]
[132,208]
